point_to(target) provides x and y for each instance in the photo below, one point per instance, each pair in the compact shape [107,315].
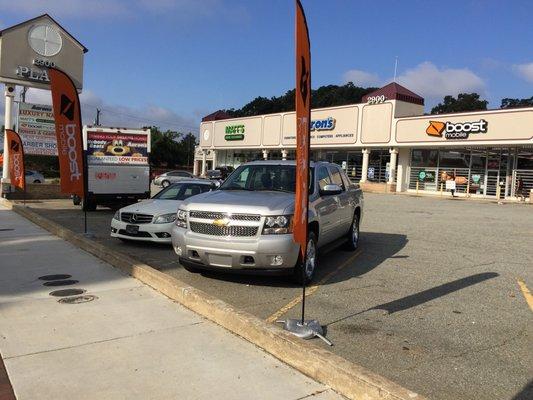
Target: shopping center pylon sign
[67,115]
[303,120]
[16,159]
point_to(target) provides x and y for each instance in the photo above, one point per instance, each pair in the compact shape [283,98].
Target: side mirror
[331,190]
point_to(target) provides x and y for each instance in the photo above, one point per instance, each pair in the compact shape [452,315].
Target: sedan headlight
[181,219]
[277,225]
[117,215]
[165,218]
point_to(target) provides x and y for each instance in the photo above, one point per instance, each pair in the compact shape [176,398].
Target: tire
[353,234]
[165,184]
[312,262]
[88,205]
[37,181]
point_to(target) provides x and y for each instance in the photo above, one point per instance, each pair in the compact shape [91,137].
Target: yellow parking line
[527,294]
[310,290]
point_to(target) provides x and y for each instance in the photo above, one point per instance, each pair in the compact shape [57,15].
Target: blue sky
[170,62]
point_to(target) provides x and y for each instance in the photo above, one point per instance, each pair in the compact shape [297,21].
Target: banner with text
[116,148]
[16,159]
[37,129]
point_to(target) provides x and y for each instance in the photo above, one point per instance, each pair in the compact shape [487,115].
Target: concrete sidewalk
[128,342]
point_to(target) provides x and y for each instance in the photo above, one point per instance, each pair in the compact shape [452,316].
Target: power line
[154,122]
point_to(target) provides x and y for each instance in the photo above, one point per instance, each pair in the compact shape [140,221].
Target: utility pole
[97,119]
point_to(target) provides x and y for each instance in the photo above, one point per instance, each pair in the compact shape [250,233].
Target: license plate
[133,229]
[218,260]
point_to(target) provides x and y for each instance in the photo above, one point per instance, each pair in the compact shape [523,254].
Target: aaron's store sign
[391,141]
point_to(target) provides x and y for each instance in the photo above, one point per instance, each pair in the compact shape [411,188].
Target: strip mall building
[387,140]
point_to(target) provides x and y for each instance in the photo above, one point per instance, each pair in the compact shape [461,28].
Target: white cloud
[525,71]
[117,115]
[361,78]
[427,80]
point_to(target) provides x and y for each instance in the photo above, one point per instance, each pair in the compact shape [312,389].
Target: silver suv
[246,224]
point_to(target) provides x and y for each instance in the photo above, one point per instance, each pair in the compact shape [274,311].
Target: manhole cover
[55,277]
[61,283]
[78,299]
[67,292]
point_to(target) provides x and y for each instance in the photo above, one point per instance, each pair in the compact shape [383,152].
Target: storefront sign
[116,148]
[459,130]
[428,176]
[234,132]
[326,124]
[450,185]
[29,49]
[37,129]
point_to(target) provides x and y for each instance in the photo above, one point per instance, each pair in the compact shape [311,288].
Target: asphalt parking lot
[433,299]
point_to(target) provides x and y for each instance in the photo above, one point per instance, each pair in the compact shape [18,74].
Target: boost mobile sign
[456,130]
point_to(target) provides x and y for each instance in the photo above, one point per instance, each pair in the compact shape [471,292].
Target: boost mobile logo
[460,130]
[15,146]
[67,107]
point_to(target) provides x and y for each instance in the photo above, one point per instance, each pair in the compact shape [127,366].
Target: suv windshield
[263,177]
[181,191]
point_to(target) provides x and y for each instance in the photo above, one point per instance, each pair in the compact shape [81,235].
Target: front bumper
[238,254]
[158,233]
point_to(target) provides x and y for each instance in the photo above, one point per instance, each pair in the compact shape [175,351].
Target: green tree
[324,96]
[516,103]
[164,148]
[463,102]
[186,146]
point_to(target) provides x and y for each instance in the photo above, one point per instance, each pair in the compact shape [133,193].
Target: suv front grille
[134,218]
[213,230]
[221,215]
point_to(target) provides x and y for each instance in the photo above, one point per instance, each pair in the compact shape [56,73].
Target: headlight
[117,216]
[277,225]
[181,219]
[165,218]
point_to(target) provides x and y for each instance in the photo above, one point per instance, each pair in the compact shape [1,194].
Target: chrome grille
[221,215]
[134,218]
[213,230]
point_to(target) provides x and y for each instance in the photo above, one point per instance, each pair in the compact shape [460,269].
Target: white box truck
[118,168]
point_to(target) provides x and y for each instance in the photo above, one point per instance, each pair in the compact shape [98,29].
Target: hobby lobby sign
[456,130]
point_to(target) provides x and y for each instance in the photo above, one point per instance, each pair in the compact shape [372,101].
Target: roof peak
[395,91]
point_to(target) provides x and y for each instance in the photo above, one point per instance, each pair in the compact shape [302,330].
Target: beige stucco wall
[376,124]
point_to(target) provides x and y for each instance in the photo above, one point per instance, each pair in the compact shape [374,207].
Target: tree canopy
[324,96]
[463,102]
[517,103]
[171,148]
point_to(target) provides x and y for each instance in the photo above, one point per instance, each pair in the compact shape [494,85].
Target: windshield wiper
[275,190]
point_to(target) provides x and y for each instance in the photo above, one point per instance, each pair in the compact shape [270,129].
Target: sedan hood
[242,202]
[153,206]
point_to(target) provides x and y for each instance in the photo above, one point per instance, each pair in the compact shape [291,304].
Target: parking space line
[527,294]
[310,290]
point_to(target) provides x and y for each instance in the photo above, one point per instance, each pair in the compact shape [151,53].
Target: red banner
[67,117]
[303,120]
[17,172]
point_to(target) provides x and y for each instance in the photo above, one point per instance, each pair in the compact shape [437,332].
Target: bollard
[417,183]
[441,186]
[498,192]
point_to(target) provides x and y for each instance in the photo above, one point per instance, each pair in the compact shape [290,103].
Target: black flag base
[310,329]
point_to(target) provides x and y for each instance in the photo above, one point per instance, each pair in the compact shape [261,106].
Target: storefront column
[204,162]
[265,154]
[214,153]
[392,168]
[195,167]
[404,158]
[284,154]
[364,169]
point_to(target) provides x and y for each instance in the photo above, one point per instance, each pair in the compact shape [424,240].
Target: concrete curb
[347,378]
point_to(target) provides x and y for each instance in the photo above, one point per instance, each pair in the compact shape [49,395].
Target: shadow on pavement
[526,393]
[426,295]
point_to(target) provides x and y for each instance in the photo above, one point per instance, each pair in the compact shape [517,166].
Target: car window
[183,173]
[174,173]
[336,177]
[323,178]
[181,191]
[345,179]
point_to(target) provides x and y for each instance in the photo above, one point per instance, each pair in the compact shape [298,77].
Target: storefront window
[454,159]
[424,158]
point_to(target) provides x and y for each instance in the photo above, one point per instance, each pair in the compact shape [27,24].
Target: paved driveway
[434,299]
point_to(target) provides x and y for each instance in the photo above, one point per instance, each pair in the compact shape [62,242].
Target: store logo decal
[460,130]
